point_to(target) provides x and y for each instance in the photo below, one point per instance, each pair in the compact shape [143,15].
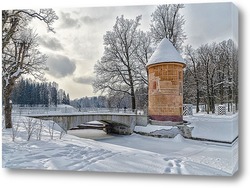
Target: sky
[78,42]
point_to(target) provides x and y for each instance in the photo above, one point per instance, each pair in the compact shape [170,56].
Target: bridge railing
[16,110]
[41,110]
[106,110]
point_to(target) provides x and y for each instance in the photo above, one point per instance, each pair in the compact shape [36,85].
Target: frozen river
[220,156]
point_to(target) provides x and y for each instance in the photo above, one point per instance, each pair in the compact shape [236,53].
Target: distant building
[165,78]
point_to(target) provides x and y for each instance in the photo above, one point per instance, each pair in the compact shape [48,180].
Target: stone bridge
[126,122]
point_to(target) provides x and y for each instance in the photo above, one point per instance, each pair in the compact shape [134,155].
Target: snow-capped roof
[165,52]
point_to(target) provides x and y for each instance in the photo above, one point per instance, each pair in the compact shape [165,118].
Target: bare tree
[116,71]
[235,72]
[212,71]
[29,125]
[118,100]
[15,131]
[19,50]
[167,22]
[194,68]
[227,55]
[20,57]
[16,20]
[142,55]
[204,55]
[63,130]
[51,129]
[39,129]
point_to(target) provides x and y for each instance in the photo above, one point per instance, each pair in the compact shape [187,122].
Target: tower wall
[165,93]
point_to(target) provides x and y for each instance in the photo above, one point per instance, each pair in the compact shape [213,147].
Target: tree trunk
[7,105]
[7,111]
[221,94]
[208,98]
[212,96]
[132,90]
[132,93]
[197,97]
[133,100]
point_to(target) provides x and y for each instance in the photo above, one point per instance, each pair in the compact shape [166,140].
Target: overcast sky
[78,42]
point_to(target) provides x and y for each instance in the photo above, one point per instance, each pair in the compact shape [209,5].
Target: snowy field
[221,128]
[127,154]
[214,127]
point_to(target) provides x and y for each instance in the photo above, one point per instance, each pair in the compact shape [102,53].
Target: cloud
[51,43]
[87,80]
[60,66]
[67,21]
[207,22]
[87,46]
[90,20]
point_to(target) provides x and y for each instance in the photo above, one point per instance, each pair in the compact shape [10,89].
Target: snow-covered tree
[64,99]
[167,22]
[211,75]
[67,99]
[116,71]
[194,69]
[142,55]
[19,50]
[53,92]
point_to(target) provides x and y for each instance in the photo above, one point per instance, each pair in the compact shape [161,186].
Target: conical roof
[165,52]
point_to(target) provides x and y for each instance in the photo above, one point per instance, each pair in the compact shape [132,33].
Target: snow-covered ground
[219,156]
[214,127]
[222,128]
[134,154]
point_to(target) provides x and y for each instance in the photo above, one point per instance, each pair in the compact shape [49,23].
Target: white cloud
[60,66]
[87,80]
[50,43]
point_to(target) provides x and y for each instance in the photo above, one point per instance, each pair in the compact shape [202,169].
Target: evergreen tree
[64,99]
[67,99]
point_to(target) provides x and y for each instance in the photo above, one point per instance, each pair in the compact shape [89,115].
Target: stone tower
[165,83]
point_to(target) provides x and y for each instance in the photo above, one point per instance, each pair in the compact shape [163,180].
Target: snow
[214,127]
[223,128]
[178,138]
[94,123]
[133,154]
[15,74]
[218,156]
[19,70]
[89,133]
[155,130]
[6,81]
[151,128]
[165,52]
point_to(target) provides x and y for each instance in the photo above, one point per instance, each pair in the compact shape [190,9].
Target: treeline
[113,100]
[28,92]
[211,75]
[90,102]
